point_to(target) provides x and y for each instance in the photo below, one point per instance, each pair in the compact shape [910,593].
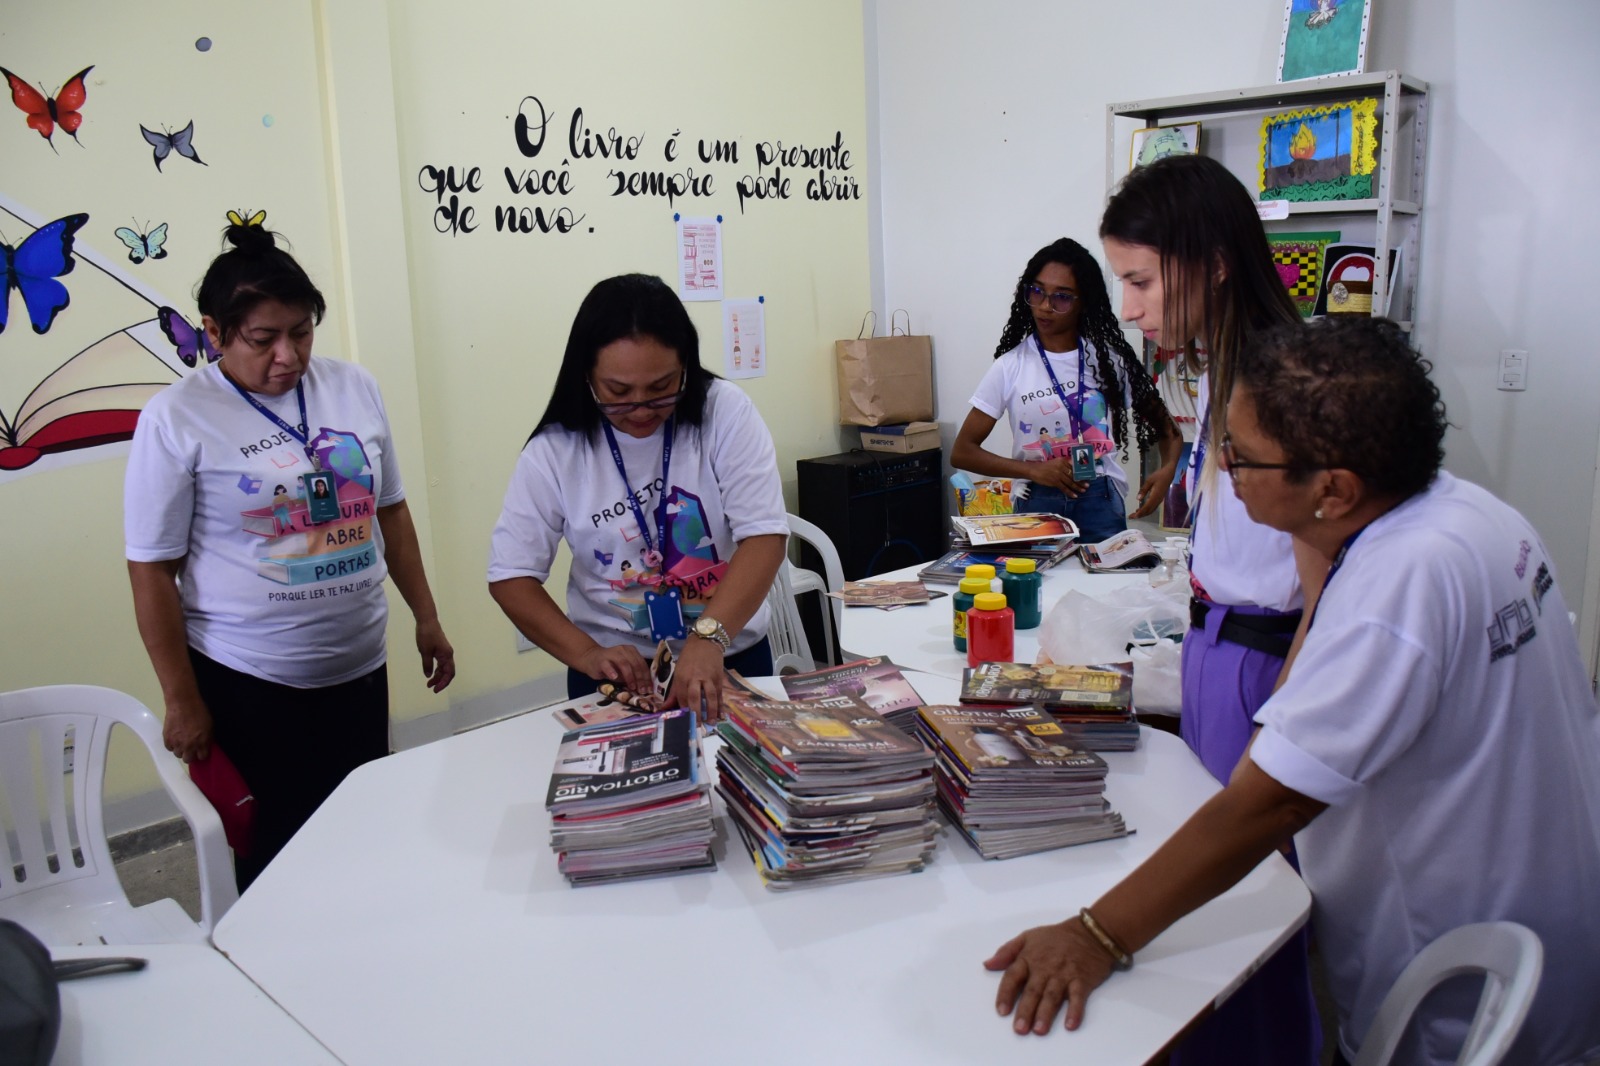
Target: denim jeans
[1098,512]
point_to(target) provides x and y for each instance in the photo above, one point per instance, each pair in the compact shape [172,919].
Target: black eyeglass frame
[1231,464]
[660,403]
[1035,296]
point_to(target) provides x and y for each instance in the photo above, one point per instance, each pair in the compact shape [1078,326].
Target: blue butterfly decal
[1024,427]
[33,266]
[604,557]
[190,342]
[165,144]
[142,246]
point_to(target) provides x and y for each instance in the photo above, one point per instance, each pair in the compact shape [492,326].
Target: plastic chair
[830,580]
[53,744]
[1510,957]
[790,648]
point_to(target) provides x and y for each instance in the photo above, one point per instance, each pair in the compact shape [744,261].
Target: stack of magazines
[825,791]
[950,567]
[630,799]
[875,681]
[1013,784]
[1092,704]
[1047,539]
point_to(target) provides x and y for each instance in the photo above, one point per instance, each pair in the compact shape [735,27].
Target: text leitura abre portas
[566,167]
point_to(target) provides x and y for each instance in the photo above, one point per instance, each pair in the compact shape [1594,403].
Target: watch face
[705,626]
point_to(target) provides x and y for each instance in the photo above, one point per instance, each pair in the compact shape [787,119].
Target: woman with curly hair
[1065,375]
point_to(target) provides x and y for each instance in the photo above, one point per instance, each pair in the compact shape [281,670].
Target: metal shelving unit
[1230,132]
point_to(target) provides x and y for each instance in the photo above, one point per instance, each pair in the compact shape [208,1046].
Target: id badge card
[1082,456]
[666,614]
[322,503]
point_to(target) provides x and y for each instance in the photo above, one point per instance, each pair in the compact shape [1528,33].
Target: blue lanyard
[1077,423]
[298,433]
[633,500]
[1338,561]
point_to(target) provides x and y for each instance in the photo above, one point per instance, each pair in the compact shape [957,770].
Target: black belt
[1270,634]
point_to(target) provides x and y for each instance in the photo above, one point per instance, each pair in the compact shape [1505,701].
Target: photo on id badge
[322,503]
[1082,461]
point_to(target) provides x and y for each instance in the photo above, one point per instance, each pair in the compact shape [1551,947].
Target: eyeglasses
[659,404]
[1060,302]
[1232,464]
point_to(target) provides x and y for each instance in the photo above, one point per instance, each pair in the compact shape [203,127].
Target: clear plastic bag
[1099,629]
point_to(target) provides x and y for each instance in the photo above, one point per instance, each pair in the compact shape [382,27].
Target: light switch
[1512,375]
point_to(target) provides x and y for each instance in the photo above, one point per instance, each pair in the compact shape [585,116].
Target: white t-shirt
[214,482]
[1439,706]
[724,489]
[1017,387]
[1236,560]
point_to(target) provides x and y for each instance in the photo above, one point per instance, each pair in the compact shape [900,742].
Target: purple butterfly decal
[190,342]
[249,485]
[604,557]
[1024,427]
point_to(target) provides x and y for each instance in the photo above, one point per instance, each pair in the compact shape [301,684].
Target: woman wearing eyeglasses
[1064,375]
[663,481]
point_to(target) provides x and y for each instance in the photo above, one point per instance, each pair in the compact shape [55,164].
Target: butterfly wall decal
[165,144]
[33,266]
[46,112]
[142,246]
[245,218]
[190,342]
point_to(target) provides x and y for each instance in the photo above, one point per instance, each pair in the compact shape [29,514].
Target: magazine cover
[881,593]
[951,567]
[877,682]
[1003,529]
[1128,550]
[835,728]
[1107,685]
[613,762]
[1009,738]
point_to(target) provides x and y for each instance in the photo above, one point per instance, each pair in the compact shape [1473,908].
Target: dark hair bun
[251,240]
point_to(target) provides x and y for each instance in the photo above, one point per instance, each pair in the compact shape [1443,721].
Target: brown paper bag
[884,381]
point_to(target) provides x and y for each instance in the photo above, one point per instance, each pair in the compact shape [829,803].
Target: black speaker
[882,510]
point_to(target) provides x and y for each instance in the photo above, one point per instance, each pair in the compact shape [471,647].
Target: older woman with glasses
[1435,748]
[663,481]
[1065,375]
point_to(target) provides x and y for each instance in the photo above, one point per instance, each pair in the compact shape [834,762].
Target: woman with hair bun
[264,615]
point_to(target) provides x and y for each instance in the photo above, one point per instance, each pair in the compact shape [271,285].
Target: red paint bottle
[991,630]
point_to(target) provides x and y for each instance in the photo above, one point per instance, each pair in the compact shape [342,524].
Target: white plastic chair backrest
[790,648]
[41,729]
[1510,957]
[832,569]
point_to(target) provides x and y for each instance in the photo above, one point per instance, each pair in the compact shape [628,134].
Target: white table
[189,1005]
[918,637]
[419,917]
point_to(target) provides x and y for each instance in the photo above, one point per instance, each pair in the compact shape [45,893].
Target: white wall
[991,126]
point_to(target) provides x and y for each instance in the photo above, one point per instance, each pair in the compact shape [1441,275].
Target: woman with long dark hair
[1184,237]
[1065,375]
[662,479]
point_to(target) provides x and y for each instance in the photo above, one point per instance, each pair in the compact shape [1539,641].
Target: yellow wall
[463,332]
[492,309]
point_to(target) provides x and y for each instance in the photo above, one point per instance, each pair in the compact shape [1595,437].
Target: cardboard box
[910,437]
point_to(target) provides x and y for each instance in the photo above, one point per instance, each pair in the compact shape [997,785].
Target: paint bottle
[1023,588]
[991,630]
[962,602]
[985,571]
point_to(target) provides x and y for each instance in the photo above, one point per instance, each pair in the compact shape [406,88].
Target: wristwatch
[711,629]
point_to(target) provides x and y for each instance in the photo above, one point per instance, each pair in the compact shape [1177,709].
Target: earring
[1319,512]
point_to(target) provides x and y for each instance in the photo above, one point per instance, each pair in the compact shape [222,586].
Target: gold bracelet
[1122,959]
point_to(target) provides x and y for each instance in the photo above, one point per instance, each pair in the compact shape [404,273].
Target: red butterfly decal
[45,113]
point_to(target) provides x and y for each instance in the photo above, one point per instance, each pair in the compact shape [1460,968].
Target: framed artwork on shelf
[1158,142]
[1323,37]
[1320,153]
[1298,257]
[1347,280]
